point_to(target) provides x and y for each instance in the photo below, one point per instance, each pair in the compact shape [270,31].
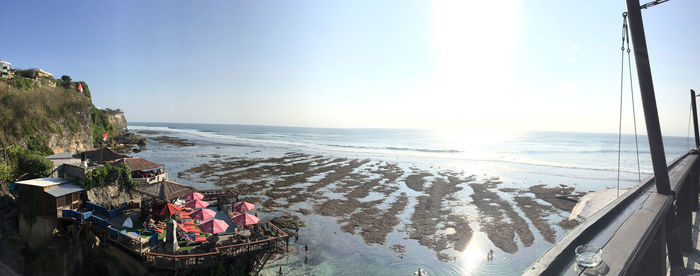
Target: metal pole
[646,86]
[695,118]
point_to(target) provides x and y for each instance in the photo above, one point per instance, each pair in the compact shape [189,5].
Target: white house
[4,69]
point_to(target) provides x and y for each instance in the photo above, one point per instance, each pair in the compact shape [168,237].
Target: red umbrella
[193,196]
[245,219]
[202,214]
[194,204]
[213,226]
[169,209]
[243,206]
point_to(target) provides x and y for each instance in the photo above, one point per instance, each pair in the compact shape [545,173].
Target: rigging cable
[634,113]
[622,81]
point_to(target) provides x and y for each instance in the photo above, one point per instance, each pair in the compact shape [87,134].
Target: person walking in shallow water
[489,256]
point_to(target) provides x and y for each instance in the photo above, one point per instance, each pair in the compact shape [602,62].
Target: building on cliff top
[5,71]
[37,72]
[143,170]
[41,201]
[101,155]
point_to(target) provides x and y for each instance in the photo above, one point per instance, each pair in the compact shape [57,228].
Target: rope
[634,114]
[622,81]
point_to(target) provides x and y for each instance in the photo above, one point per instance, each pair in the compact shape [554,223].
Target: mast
[646,87]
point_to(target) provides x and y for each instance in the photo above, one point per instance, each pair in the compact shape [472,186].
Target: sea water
[585,161]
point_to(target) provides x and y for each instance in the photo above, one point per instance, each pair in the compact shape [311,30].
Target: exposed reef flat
[373,198]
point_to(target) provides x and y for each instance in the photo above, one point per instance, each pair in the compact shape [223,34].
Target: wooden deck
[641,233]
[276,243]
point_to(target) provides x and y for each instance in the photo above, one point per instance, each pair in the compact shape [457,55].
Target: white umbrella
[128,223]
[591,203]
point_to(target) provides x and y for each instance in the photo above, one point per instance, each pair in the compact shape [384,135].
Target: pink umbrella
[194,204]
[245,219]
[243,206]
[213,226]
[193,196]
[202,214]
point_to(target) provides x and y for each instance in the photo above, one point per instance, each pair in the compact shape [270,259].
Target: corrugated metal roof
[61,155]
[43,182]
[64,189]
[137,164]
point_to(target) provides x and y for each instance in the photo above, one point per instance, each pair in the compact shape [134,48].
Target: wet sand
[366,198]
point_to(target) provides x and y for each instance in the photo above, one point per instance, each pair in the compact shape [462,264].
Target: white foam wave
[451,155]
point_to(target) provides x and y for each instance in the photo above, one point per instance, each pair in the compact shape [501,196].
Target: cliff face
[117,119]
[79,140]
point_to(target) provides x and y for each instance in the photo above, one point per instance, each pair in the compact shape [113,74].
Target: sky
[503,65]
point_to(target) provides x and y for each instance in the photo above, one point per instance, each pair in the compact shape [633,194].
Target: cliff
[117,119]
[59,116]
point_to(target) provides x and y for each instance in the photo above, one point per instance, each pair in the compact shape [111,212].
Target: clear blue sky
[513,65]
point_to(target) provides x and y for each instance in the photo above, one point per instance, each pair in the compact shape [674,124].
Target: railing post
[695,118]
[684,215]
[646,87]
[696,189]
[675,257]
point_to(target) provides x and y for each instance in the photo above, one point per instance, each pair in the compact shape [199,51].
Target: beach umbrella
[243,206]
[245,219]
[203,214]
[193,196]
[169,209]
[194,204]
[128,223]
[213,226]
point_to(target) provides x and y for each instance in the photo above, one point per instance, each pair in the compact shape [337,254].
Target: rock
[112,196]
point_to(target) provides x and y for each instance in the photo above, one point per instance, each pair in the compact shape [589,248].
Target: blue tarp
[101,210]
[154,239]
[86,215]
[115,213]
[70,214]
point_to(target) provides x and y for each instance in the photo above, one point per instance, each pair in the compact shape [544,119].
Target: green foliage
[22,83]
[23,161]
[66,79]
[6,173]
[38,144]
[100,175]
[34,165]
[100,125]
[25,73]
[86,89]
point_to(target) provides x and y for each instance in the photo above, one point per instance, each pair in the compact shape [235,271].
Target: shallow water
[586,162]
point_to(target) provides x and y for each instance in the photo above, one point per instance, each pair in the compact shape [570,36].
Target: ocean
[424,185]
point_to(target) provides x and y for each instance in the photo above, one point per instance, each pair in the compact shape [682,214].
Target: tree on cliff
[66,81]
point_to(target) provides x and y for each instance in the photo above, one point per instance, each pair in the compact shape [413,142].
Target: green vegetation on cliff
[23,162]
[32,109]
[107,173]
[28,112]
[99,125]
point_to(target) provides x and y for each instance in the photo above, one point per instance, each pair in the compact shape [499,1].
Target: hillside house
[143,170]
[36,72]
[5,71]
[41,201]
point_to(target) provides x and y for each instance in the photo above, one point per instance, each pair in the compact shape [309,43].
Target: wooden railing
[279,240]
[635,230]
